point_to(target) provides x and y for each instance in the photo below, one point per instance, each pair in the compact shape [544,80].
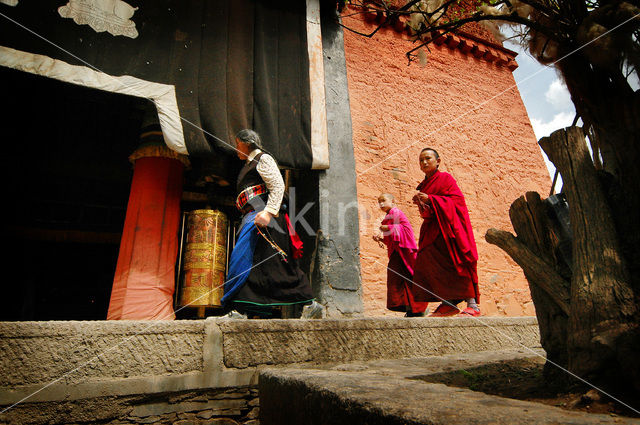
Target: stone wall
[466,107]
[204,371]
[232,406]
[335,275]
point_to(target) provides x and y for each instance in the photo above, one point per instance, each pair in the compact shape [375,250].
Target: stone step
[391,392]
[88,363]
[69,360]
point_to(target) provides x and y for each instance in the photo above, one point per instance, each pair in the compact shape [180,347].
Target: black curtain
[235,64]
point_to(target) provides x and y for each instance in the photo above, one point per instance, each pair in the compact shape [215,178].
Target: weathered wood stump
[533,251]
[587,317]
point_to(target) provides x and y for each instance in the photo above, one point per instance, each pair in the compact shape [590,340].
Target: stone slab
[389,393]
[72,352]
[272,342]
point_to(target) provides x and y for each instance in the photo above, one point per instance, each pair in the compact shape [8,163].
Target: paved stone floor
[388,392]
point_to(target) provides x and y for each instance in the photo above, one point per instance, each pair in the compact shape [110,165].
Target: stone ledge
[383,393]
[73,352]
[157,357]
[289,341]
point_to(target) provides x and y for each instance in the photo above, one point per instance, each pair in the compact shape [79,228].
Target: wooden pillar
[144,280]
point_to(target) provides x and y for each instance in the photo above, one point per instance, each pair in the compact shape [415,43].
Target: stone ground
[332,371]
[397,392]
[523,379]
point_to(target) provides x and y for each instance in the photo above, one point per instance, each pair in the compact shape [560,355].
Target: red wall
[468,109]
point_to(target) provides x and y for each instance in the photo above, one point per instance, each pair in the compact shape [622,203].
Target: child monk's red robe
[446,264]
[401,248]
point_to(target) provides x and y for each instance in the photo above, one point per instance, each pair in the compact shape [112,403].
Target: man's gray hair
[251,138]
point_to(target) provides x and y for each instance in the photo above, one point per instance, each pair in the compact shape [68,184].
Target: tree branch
[538,271]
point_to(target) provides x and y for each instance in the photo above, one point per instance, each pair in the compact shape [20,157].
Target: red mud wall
[468,109]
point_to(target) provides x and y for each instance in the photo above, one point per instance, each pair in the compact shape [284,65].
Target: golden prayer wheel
[205,258]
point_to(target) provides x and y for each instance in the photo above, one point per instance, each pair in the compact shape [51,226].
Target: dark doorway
[66,176]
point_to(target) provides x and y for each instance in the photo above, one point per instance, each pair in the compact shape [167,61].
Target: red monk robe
[446,264]
[401,248]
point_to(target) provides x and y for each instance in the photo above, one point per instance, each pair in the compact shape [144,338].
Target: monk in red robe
[397,234]
[446,264]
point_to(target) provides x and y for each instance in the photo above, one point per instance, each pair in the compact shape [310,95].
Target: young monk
[397,234]
[446,264]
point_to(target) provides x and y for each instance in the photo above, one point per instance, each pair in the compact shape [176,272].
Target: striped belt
[248,194]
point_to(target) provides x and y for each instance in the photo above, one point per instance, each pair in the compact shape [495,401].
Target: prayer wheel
[205,257]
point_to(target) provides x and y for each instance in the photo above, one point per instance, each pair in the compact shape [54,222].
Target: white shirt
[270,173]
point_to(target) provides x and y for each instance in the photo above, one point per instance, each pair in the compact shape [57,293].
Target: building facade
[123,120]
[464,103]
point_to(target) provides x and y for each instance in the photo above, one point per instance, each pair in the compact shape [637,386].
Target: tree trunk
[549,288]
[590,323]
[602,317]
[606,102]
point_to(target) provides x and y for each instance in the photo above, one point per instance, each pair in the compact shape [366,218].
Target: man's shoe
[470,312]
[312,311]
[445,310]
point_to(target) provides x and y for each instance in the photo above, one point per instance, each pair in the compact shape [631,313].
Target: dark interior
[66,178]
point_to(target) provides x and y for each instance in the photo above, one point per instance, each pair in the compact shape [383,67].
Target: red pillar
[144,281]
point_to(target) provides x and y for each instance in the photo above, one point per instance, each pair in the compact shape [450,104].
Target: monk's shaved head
[435,152]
